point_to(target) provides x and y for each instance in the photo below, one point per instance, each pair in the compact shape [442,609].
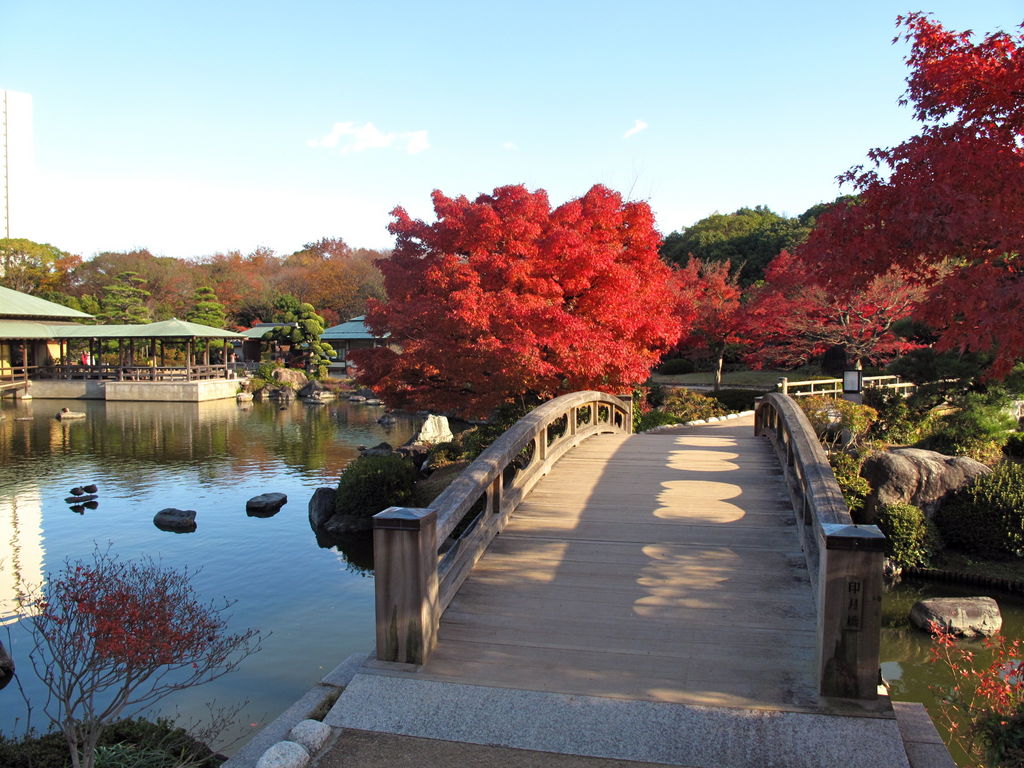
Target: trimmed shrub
[653,419]
[837,421]
[687,405]
[443,454]
[979,428]
[677,366]
[371,484]
[737,399]
[897,421]
[266,370]
[855,488]
[907,530]
[987,517]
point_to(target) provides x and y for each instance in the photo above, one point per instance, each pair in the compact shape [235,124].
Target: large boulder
[434,430]
[961,616]
[265,505]
[915,476]
[347,525]
[290,377]
[311,388]
[177,520]
[6,667]
[321,506]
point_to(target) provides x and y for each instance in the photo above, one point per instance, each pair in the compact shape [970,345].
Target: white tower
[17,162]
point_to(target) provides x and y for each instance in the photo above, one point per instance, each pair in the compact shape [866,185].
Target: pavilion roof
[350,329]
[15,304]
[166,329]
[29,329]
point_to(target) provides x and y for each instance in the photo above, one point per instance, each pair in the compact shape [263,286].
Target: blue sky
[196,127]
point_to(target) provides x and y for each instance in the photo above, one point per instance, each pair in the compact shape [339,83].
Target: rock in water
[962,616]
[89,488]
[6,667]
[80,499]
[290,377]
[265,505]
[434,430]
[76,491]
[177,520]
[321,506]
[381,449]
[65,413]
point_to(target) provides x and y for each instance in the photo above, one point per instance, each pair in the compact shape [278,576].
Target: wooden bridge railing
[844,559]
[834,387]
[422,556]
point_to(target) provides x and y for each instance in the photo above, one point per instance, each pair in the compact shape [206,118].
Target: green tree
[206,309]
[302,335]
[124,301]
[749,238]
[32,267]
[86,303]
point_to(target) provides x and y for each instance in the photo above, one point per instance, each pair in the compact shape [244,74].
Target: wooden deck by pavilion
[697,597]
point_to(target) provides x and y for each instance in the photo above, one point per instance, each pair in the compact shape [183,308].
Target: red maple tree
[110,638]
[504,297]
[949,198]
[797,315]
[713,296]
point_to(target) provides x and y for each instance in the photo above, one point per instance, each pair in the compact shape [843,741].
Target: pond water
[315,599]
[905,651]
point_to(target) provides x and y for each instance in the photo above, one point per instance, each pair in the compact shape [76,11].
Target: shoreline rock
[961,616]
[175,520]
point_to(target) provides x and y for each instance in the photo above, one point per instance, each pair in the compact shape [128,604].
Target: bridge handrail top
[823,493]
[455,500]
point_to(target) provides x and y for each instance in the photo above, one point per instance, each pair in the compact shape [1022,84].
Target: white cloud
[638,126]
[510,146]
[350,137]
[415,141]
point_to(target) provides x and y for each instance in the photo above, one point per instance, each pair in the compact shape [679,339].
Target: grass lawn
[764,379]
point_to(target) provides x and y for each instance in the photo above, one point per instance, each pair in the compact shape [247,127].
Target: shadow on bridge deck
[661,567]
[648,601]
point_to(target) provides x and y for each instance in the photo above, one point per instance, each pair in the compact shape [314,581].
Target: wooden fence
[834,387]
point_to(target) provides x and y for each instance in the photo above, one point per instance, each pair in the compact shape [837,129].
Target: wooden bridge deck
[662,567]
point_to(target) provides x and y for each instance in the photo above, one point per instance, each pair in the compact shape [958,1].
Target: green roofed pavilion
[18,305]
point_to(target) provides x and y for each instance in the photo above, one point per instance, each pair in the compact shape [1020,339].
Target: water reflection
[315,596]
[21,549]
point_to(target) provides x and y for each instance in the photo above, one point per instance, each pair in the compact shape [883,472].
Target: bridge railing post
[405,583]
[850,610]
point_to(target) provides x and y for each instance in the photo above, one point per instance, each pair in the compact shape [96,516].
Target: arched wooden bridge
[698,596]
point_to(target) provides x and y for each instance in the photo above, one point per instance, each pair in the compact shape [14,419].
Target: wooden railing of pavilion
[422,556]
[114,372]
[844,560]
